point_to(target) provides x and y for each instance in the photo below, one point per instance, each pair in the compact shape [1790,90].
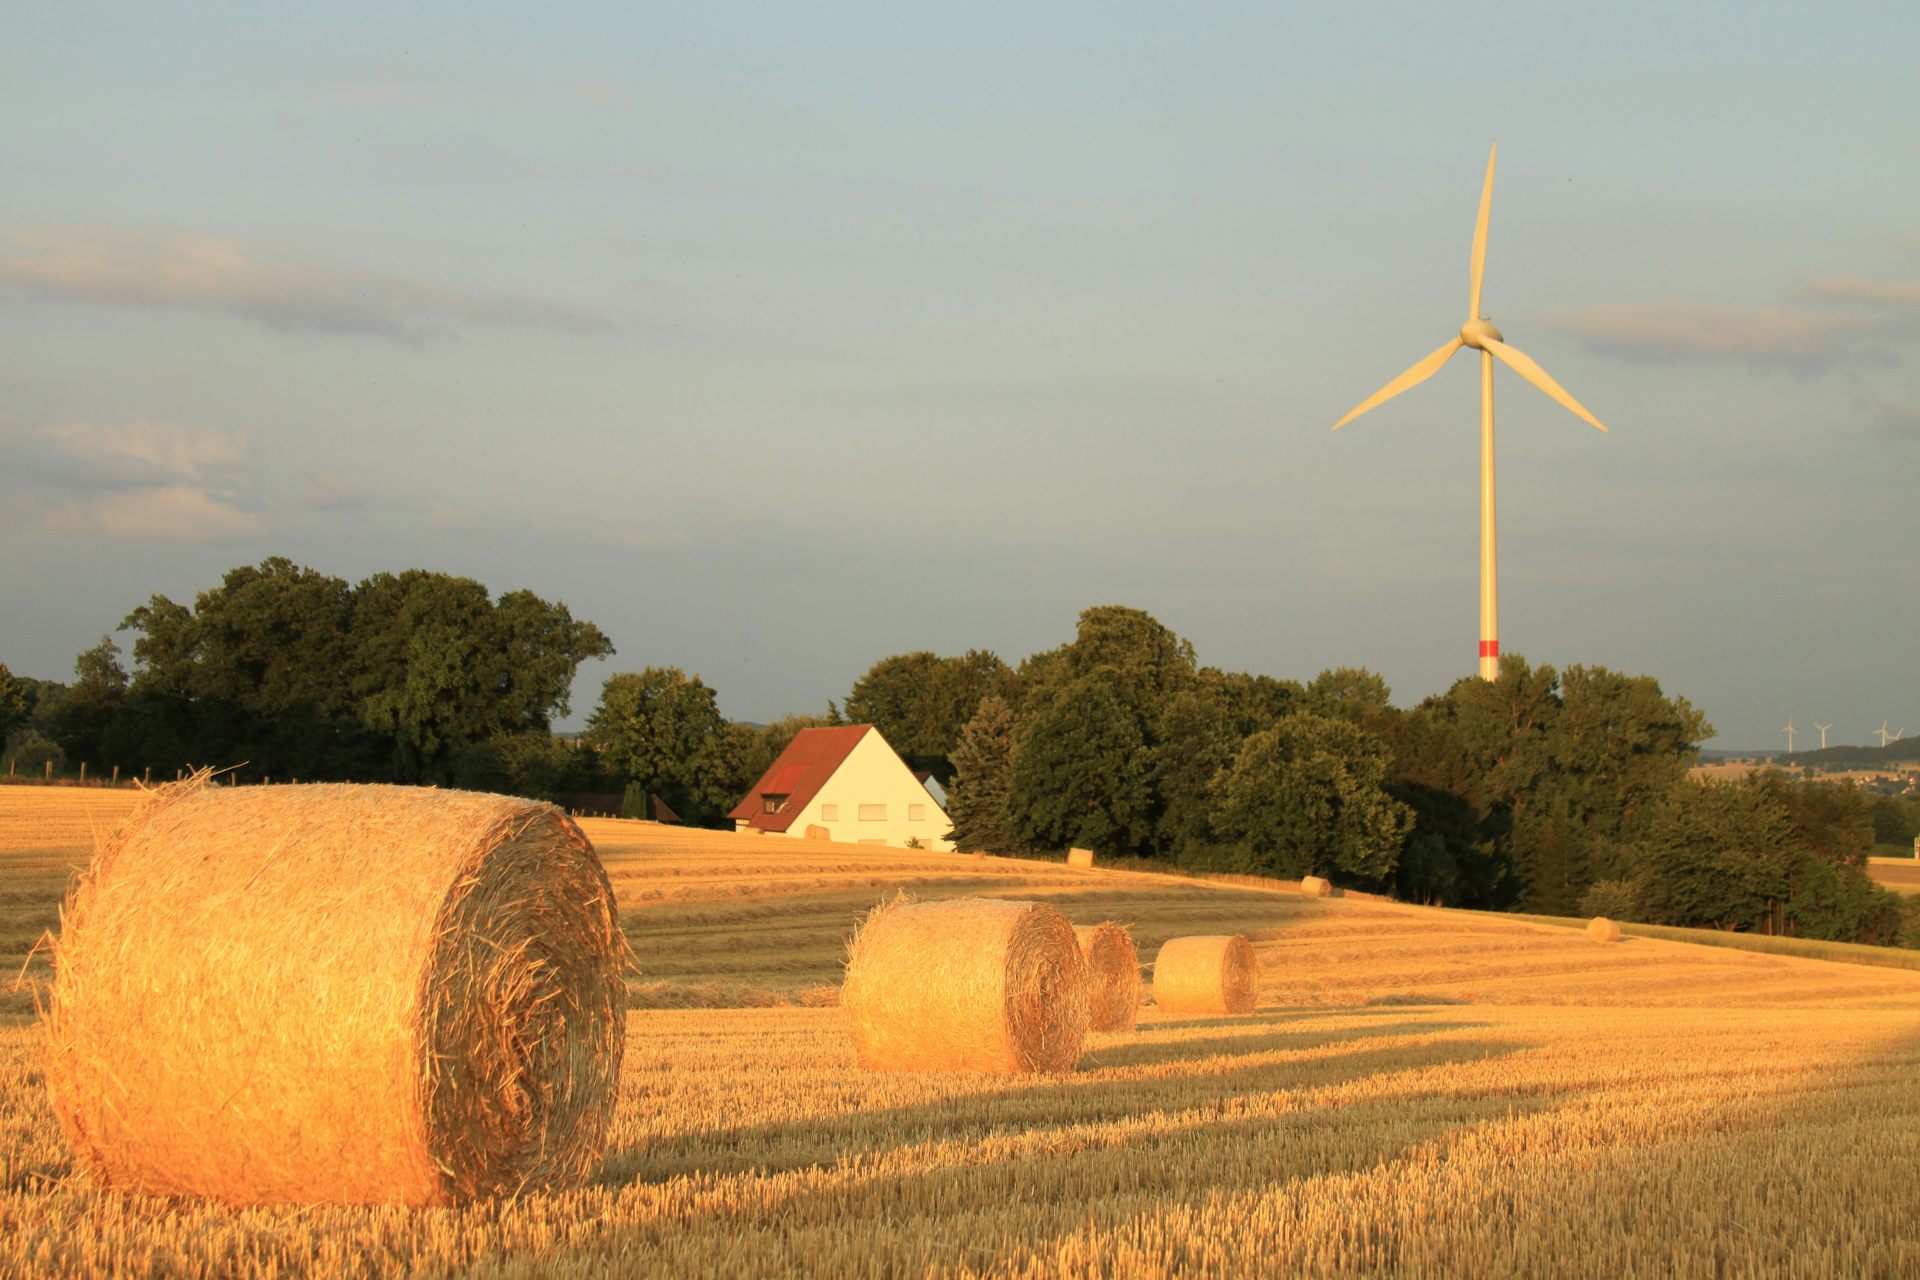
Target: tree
[920,702]
[1895,821]
[84,726]
[1561,770]
[1307,797]
[13,702]
[301,674]
[657,727]
[438,665]
[1718,855]
[982,784]
[1081,771]
[1200,727]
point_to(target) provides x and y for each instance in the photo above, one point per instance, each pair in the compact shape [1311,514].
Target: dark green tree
[1307,796]
[13,703]
[982,784]
[1082,771]
[657,727]
[920,702]
[85,725]
[1720,855]
[1201,726]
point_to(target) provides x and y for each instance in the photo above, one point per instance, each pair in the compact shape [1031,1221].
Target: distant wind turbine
[1823,734]
[1884,735]
[1478,332]
[1789,732]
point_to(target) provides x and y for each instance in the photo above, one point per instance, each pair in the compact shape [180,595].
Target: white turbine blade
[1522,364]
[1411,378]
[1479,268]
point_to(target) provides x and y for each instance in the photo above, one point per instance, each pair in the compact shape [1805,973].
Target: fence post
[116,775]
[148,776]
[83,773]
[49,773]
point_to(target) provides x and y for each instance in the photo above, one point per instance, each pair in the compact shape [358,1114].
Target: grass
[1420,1092]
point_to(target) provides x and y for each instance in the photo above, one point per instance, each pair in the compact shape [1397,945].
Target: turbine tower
[1823,734]
[1789,732]
[1478,332]
[1884,735]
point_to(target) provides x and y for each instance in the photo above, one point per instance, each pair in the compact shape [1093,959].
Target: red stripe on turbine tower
[1489,648]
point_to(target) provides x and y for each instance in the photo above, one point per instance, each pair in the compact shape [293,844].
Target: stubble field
[1420,1092]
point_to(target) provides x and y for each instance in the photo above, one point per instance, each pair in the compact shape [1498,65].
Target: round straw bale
[1315,887]
[345,994]
[969,984]
[1207,973]
[1601,929]
[1081,858]
[1114,967]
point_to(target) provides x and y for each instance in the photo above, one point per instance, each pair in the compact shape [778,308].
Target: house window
[772,804]
[873,813]
[829,813]
[916,813]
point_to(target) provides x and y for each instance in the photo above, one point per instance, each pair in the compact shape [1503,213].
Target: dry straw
[347,994]
[1114,966]
[1212,973]
[1601,929]
[1315,887]
[1082,858]
[969,984]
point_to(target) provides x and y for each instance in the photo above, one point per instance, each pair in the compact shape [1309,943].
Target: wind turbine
[1823,734]
[1478,332]
[1884,735]
[1789,732]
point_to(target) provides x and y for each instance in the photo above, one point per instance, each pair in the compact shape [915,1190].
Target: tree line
[1558,792]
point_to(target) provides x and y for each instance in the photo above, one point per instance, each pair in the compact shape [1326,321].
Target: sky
[779,339]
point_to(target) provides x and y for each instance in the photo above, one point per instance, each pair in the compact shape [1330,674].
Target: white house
[845,780]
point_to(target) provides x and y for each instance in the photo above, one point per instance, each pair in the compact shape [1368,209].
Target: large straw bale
[1113,964]
[1206,973]
[1601,929]
[1315,886]
[1081,858]
[968,984]
[331,993]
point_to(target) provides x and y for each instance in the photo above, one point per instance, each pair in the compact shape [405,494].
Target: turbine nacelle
[1475,333]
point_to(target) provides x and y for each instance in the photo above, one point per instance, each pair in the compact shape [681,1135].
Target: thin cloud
[324,491]
[1674,330]
[280,288]
[1859,289]
[171,513]
[143,481]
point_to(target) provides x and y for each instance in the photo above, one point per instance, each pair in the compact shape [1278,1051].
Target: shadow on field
[1150,1090]
[1241,1039]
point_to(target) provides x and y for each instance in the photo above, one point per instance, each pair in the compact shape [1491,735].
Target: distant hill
[1904,754]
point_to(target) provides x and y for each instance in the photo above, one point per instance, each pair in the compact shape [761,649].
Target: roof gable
[798,774]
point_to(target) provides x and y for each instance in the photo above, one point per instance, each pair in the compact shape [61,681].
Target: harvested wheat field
[1417,1092]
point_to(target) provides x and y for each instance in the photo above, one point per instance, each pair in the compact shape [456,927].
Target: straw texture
[969,984]
[1113,965]
[348,994]
[1601,929]
[1081,858]
[1208,973]
[1315,886]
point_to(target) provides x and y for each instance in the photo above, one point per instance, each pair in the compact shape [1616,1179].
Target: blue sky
[778,339]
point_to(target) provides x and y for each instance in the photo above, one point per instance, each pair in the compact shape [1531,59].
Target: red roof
[802,769]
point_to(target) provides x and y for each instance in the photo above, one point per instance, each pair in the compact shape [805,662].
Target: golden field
[1420,1092]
